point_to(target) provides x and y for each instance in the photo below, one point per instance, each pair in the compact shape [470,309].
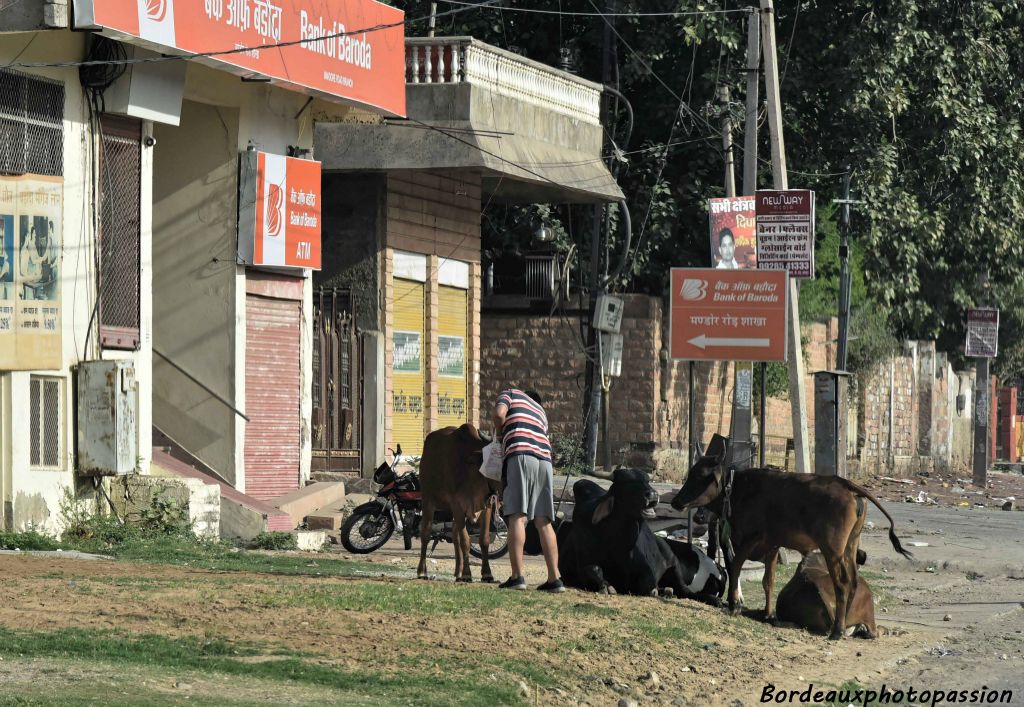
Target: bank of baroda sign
[728,315]
[352,50]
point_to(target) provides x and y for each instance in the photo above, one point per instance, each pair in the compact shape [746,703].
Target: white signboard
[785,232]
[982,332]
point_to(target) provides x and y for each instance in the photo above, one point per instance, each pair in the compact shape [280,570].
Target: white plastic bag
[491,466]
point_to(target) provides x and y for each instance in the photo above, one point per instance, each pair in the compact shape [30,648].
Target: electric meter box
[108,402]
[608,313]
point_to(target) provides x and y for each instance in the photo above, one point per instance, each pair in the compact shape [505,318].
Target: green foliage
[27,540]
[924,104]
[275,540]
[871,340]
[91,531]
[570,455]
[165,516]
[819,298]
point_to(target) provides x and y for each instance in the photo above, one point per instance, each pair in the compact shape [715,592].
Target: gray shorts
[527,487]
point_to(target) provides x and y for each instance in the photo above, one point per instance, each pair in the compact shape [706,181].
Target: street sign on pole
[982,332]
[728,315]
[785,231]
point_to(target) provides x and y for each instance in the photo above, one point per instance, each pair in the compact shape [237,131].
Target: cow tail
[892,524]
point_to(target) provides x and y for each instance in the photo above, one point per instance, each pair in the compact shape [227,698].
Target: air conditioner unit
[108,401]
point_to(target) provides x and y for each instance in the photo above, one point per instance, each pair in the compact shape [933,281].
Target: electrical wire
[560,13]
[237,49]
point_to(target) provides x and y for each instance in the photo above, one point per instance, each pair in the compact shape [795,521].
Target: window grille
[31,124]
[46,422]
[120,231]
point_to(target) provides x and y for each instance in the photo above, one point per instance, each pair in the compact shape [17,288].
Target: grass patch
[276,540]
[446,684]
[28,540]
[224,557]
[424,598]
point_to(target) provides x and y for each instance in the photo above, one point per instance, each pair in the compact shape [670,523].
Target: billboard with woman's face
[732,223]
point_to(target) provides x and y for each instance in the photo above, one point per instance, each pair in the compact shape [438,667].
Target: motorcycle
[399,507]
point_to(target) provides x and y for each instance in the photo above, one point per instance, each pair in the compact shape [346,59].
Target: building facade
[159,206]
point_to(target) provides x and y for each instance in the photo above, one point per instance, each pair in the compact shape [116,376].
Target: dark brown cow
[808,600]
[450,480]
[767,509]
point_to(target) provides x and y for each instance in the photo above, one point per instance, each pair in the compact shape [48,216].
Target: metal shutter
[452,332]
[272,392]
[408,380]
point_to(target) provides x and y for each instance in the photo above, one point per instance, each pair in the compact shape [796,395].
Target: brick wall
[915,391]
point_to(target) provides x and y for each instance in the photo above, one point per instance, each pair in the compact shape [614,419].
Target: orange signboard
[279,212]
[336,50]
[728,315]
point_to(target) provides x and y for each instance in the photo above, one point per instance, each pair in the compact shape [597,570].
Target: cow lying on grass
[765,510]
[809,601]
[609,548]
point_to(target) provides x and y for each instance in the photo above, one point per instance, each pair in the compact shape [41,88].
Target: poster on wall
[732,224]
[406,352]
[451,360]
[30,265]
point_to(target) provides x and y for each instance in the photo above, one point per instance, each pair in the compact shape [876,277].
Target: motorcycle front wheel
[367,530]
[499,540]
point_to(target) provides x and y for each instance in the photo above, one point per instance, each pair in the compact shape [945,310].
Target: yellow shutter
[451,369]
[407,367]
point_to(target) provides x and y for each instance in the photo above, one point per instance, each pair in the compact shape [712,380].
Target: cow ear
[604,509]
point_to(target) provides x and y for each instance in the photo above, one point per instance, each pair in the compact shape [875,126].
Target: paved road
[978,539]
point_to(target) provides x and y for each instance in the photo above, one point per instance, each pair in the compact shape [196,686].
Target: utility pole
[595,374]
[730,173]
[983,403]
[749,188]
[750,122]
[845,277]
[432,24]
[797,389]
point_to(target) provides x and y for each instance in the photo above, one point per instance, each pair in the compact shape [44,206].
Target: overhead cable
[561,13]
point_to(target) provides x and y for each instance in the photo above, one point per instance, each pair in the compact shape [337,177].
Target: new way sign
[728,315]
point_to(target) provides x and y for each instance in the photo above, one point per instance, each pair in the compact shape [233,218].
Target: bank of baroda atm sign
[279,219]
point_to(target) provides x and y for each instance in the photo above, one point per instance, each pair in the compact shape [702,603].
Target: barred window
[120,231]
[46,422]
[31,124]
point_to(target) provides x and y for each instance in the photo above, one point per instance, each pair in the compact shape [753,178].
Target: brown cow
[808,600]
[766,510]
[450,480]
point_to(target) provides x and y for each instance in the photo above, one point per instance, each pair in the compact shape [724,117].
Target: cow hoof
[607,589]
[736,610]
[467,580]
[835,636]
[488,579]
[668,593]
[772,620]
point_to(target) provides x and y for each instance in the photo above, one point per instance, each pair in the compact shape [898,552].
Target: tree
[924,100]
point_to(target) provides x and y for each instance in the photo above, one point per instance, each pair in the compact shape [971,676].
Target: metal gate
[337,382]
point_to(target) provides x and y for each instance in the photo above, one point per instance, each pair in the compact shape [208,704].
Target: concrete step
[331,522]
[300,503]
[241,516]
[333,476]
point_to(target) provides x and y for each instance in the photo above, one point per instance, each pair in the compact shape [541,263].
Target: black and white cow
[609,548]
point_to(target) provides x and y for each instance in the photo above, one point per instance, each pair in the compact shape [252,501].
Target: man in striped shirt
[522,426]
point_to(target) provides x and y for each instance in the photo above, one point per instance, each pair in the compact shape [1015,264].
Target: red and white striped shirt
[526,426]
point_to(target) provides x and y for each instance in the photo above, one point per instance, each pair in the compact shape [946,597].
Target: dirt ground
[731,662]
[949,488]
